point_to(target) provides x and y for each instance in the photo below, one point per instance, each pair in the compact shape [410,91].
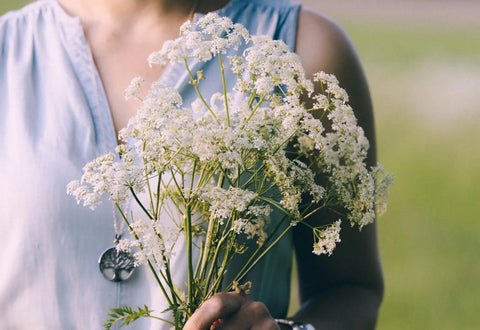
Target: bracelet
[295,325]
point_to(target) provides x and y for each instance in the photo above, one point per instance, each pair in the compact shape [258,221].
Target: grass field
[428,112]
[11,4]
[425,83]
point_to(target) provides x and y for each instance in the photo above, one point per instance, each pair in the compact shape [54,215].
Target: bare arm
[342,291]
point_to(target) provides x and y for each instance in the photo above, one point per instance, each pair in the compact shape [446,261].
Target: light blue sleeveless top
[54,118]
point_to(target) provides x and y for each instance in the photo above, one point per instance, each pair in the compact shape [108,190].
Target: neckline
[87,71]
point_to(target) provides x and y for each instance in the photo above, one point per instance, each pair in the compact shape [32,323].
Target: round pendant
[116,265]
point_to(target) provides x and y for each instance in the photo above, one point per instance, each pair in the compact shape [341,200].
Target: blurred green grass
[423,81]
[430,237]
[6,5]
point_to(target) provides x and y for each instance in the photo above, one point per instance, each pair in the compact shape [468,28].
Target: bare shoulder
[323,44]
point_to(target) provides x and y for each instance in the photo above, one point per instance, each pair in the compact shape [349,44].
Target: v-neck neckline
[87,72]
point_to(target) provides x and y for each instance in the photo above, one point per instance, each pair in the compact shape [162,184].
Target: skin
[342,291]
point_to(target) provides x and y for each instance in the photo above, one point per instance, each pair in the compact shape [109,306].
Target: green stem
[313,212]
[220,274]
[274,203]
[200,260]
[195,85]
[206,248]
[210,235]
[189,245]
[157,206]
[140,203]
[179,188]
[285,142]
[254,175]
[214,263]
[251,98]
[222,69]
[152,269]
[147,180]
[169,281]
[255,109]
[193,175]
[254,260]
[160,319]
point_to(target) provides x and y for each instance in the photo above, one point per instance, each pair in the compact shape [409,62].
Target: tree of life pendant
[116,265]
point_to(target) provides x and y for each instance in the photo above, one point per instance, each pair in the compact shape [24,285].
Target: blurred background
[422,60]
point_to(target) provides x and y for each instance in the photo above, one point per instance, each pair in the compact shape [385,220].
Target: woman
[63,69]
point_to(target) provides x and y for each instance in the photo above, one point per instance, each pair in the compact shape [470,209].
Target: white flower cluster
[252,228]
[269,64]
[224,202]
[342,155]
[210,36]
[231,158]
[155,242]
[325,240]
[104,176]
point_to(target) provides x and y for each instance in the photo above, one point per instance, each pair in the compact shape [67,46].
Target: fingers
[252,315]
[217,307]
[231,311]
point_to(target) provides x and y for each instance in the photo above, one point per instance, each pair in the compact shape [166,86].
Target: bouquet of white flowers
[226,163]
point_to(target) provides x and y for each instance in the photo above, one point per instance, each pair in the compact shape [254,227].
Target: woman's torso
[54,117]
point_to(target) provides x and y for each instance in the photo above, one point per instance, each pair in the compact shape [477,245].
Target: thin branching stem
[194,83]
[189,247]
[254,110]
[140,203]
[210,234]
[159,185]
[150,265]
[254,260]
[225,95]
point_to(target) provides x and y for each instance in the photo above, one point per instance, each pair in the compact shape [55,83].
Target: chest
[119,59]
[117,67]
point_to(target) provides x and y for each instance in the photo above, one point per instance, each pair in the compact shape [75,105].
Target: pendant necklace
[116,265]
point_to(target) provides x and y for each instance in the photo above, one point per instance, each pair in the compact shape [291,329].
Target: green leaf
[126,315]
